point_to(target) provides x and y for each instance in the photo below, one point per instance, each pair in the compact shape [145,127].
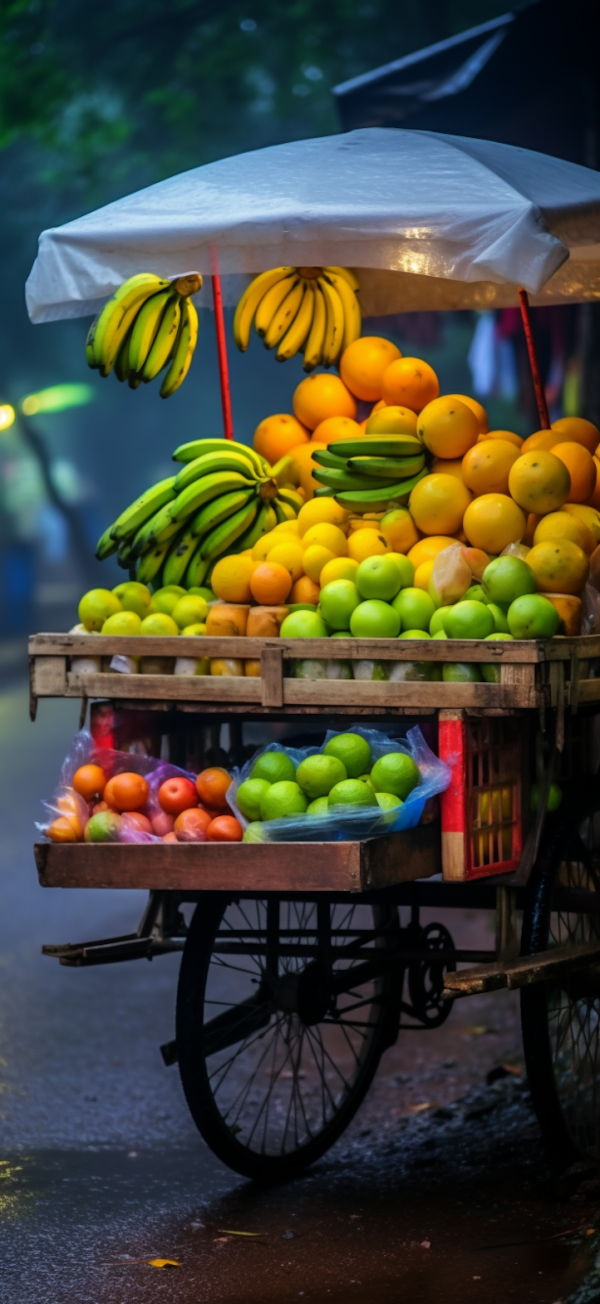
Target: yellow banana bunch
[149,322]
[313,309]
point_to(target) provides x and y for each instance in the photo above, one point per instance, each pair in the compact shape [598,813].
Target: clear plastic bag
[451,574]
[349,823]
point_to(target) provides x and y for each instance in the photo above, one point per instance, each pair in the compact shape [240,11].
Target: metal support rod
[222,352]
[540,396]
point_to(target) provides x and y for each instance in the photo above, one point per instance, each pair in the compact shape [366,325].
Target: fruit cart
[302,960]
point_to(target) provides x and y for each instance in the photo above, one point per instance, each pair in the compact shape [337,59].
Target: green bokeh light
[56,399]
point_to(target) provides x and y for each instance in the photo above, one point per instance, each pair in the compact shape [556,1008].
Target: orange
[476,560]
[337,428]
[363,363]
[191,825]
[398,529]
[252,669]
[438,503]
[315,558]
[477,408]
[126,791]
[328,536]
[559,566]
[391,421]
[539,482]
[212,785]
[278,435]
[366,543]
[411,383]
[493,521]
[427,549]
[447,427]
[581,467]
[265,622]
[341,568]
[225,828]
[230,666]
[545,439]
[569,610]
[289,555]
[560,525]
[594,498]
[228,619]
[231,579]
[64,829]
[577,428]
[305,590]
[303,462]
[449,466]
[486,466]
[89,781]
[589,515]
[321,511]
[509,435]
[321,396]
[270,583]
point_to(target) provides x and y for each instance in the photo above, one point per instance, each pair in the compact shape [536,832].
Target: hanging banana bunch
[313,309]
[148,324]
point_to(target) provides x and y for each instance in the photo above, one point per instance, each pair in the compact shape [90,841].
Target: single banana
[108,331]
[284,470]
[347,274]
[313,349]
[158,529]
[264,521]
[386,468]
[134,380]
[366,500]
[248,304]
[151,561]
[334,331]
[341,480]
[164,339]
[197,570]
[183,350]
[145,328]
[297,333]
[225,460]
[326,457]
[128,523]
[283,511]
[225,534]
[124,554]
[285,314]
[218,510]
[178,557]
[204,490]
[198,447]
[382,446]
[292,497]
[350,305]
[89,345]
[106,545]
[270,303]
[122,368]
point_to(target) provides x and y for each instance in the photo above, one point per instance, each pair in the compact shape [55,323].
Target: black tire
[274,1077]
[561,1019]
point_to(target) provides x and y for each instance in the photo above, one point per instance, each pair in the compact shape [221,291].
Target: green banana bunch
[314,309]
[147,325]
[370,472]
[368,500]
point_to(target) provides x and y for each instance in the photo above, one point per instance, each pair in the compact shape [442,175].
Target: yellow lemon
[290,555]
[561,525]
[263,546]
[366,543]
[286,527]
[315,558]
[319,511]
[423,575]
[327,536]
[398,529]
[589,515]
[427,549]
[341,568]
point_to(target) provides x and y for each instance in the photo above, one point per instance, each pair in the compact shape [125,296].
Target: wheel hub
[305,994]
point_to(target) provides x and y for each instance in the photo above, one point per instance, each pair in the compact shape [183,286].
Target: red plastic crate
[481,810]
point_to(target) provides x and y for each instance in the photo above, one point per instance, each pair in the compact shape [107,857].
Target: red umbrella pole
[222,354]
[533,362]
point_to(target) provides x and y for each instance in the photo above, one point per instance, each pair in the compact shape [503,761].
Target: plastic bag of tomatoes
[112,796]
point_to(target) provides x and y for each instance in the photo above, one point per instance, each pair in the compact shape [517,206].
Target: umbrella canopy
[429,221]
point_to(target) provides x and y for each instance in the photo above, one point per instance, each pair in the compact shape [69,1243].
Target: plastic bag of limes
[358,784]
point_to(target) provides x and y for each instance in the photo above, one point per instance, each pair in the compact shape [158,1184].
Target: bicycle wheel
[561,1018]
[284,1008]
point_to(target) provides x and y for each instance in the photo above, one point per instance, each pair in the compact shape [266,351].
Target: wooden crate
[245,867]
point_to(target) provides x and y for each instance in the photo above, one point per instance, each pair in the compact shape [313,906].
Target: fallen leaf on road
[515,1069]
[419,1109]
[225,1232]
[478,1030]
[163,1263]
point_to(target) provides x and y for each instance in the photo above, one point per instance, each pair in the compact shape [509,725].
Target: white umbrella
[429,221]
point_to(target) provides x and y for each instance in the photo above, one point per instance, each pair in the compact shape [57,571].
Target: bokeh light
[7,416]
[56,399]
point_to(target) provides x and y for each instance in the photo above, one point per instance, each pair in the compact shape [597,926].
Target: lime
[461,672]
[508,578]
[388,801]
[415,608]
[440,634]
[135,597]
[498,634]
[351,792]
[414,633]
[303,624]
[375,619]
[317,775]
[282,801]
[416,671]
[190,611]
[499,617]
[119,589]
[395,773]
[554,797]
[103,827]
[166,599]
[123,622]
[249,796]
[300,606]
[532,616]
[203,592]
[469,620]
[254,833]
[159,623]
[318,808]
[366,778]
[353,751]
[375,671]
[96,606]
[337,602]
[342,633]
[476,593]
[194,631]
[437,620]
[308,668]
[274,767]
[378,577]
[406,568]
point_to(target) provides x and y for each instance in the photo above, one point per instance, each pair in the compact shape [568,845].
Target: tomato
[135,820]
[225,828]
[176,795]
[191,825]
[212,785]
[162,823]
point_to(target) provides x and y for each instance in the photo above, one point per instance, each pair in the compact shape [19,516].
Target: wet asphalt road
[439,1191]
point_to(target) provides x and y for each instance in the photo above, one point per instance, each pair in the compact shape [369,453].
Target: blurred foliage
[140,89]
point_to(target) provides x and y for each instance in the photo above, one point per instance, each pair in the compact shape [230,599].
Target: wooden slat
[378,649]
[522,972]
[49,676]
[401,858]
[195,688]
[562,649]
[271,676]
[589,690]
[410,693]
